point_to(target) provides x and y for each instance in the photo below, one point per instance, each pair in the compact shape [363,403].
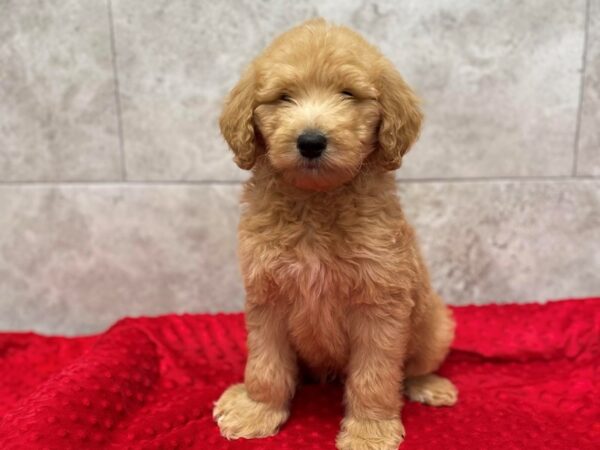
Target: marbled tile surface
[508,241]
[75,258]
[58,119]
[502,87]
[589,133]
[500,80]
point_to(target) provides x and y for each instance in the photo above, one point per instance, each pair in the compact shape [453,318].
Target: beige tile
[76,258]
[177,60]
[500,80]
[57,110]
[588,162]
[507,241]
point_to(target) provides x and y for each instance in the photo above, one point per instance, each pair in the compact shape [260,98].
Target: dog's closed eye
[286,98]
[347,94]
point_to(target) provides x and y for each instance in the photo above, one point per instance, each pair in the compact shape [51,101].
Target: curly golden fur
[334,279]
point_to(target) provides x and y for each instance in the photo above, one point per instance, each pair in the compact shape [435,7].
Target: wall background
[118,196]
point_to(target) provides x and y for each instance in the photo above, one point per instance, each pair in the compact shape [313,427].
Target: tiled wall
[118,196]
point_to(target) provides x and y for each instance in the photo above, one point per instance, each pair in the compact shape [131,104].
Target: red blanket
[527,375]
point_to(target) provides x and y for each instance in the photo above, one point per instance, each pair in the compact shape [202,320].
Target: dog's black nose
[311,144]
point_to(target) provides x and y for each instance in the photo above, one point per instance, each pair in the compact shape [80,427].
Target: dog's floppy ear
[401,117]
[236,122]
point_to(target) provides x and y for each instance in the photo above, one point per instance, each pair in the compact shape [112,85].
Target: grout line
[586,28]
[122,183]
[240,182]
[113,48]
[484,179]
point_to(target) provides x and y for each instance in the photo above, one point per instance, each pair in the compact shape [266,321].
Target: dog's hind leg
[432,337]
[431,389]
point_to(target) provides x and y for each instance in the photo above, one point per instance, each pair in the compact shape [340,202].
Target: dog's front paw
[370,434]
[238,416]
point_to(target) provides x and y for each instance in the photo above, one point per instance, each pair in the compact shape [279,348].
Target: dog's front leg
[259,406]
[374,380]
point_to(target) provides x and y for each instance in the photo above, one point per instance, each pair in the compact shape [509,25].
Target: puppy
[333,276]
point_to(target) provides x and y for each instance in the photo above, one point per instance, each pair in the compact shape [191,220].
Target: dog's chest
[319,263]
[318,291]
[315,265]
[318,332]
[316,274]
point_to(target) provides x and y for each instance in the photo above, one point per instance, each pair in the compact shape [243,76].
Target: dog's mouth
[311,165]
[321,173]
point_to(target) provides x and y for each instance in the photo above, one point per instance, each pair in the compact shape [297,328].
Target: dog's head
[318,104]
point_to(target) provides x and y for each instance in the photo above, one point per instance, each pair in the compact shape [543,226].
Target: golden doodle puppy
[334,279]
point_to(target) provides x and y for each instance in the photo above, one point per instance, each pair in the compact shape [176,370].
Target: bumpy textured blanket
[528,378]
